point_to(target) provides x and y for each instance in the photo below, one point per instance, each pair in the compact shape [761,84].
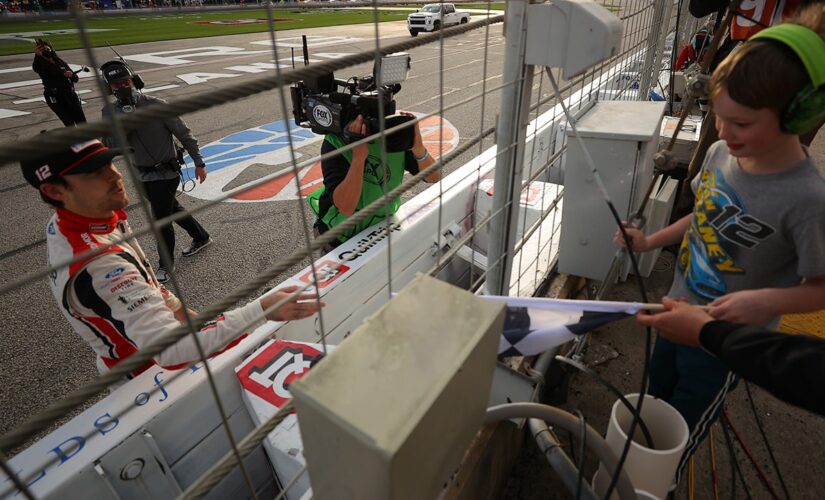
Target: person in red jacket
[109,293]
[694,51]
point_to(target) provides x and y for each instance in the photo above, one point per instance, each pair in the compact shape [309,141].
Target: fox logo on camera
[322,115]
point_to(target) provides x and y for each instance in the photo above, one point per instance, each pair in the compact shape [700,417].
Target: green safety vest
[372,188]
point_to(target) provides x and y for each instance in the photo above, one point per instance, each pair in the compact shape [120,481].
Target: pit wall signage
[91,434]
[265,377]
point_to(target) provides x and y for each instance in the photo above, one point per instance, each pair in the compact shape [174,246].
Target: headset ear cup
[138,81]
[805,112]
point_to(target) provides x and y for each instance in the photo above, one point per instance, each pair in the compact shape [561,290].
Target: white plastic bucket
[651,470]
[640,494]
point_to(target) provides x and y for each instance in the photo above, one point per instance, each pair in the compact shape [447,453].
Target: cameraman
[58,84]
[156,160]
[356,178]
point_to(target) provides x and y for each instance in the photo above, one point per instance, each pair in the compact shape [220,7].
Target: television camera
[327,105]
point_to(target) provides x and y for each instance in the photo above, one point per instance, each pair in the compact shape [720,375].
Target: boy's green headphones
[807,108]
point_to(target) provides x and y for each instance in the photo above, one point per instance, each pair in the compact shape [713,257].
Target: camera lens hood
[400,140]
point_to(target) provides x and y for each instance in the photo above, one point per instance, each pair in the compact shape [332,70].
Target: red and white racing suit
[113,300]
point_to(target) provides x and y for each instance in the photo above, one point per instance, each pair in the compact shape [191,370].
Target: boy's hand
[753,307]
[637,238]
[681,322]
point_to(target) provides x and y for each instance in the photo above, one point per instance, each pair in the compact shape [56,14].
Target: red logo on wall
[269,374]
[328,271]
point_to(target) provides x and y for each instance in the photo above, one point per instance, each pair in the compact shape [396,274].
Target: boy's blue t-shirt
[751,231]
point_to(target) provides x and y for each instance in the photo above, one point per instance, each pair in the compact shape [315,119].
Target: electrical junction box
[390,413]
[572,35]
[537,198]
[686,140]
[679,89]
[621,137]
[265,377]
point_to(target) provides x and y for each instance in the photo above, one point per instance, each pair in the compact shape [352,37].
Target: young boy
[758,224]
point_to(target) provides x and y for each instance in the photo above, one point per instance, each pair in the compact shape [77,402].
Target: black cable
[765,439]
[613,390]
[184,181]
[570,445]
[673,49]
[734,461]
[733,465]
[645,367]
[635,265]
[582,444]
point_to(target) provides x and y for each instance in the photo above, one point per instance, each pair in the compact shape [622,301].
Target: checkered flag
[535,325]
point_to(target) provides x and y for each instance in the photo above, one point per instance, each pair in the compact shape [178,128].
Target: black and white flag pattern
[534,325]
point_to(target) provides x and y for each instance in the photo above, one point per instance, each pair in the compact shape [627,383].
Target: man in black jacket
[58,84]
[791,367]
[155,156]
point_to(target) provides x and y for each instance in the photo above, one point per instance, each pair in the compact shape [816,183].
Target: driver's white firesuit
[113,300]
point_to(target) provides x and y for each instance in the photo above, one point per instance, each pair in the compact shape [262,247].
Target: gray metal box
[622,137]
[390,413]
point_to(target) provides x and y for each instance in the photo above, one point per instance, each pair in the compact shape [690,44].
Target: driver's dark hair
[58,181]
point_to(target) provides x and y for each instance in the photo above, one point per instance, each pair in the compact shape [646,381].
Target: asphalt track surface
[42,357]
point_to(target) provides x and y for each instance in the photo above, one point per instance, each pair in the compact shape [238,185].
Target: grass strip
[130,30]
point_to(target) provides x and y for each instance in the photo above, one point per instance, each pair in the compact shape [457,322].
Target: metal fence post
[510,139]
[653,53]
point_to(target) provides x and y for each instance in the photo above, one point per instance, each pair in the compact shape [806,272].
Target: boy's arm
[670,235]
[757,307]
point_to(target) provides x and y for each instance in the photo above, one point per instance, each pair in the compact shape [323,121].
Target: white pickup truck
[434,16]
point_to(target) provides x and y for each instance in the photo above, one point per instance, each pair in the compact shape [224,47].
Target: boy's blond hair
[766,74]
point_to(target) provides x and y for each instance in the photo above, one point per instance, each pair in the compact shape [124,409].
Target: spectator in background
[694,51]
[156,160]
[58,84]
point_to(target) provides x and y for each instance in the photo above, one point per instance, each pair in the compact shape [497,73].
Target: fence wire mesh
[458,243]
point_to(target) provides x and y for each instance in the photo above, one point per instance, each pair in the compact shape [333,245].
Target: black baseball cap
[77,159]
[115,71]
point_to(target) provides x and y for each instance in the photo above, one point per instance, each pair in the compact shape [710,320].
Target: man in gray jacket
[156,160]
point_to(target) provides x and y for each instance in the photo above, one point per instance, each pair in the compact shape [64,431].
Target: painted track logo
[271,372]
[227,159]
